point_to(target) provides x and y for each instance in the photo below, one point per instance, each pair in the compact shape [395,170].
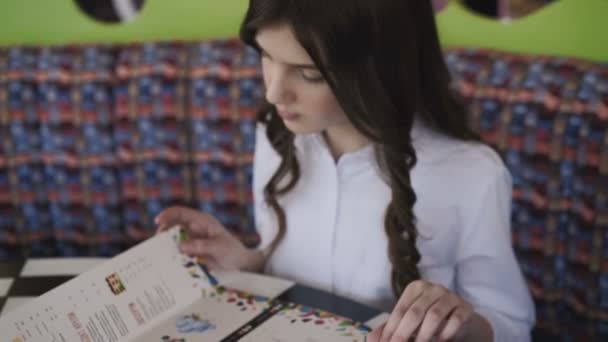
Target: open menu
[152,292]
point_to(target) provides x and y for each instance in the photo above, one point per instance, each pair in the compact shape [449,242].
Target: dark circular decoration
[111,11]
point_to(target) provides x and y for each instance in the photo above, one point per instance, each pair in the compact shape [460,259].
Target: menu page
[152,292]
[216,315]
[298,323]
[116,301]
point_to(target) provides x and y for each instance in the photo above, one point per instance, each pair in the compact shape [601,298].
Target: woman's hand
[209,239]
[425,312]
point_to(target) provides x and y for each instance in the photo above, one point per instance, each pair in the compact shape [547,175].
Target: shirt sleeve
[265,162]
[487,273]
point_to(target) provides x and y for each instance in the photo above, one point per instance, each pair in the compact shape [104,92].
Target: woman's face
[294,85]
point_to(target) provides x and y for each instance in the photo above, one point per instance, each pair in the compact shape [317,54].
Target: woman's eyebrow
[300,66]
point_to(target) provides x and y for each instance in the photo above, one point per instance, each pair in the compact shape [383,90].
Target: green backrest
[575,28]
[42,22]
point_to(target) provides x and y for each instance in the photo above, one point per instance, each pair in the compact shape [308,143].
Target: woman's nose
[278,90]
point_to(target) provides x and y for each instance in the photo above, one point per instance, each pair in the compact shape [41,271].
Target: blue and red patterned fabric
[96,140]
[548,117]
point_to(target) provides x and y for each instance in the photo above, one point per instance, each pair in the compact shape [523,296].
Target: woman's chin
[299,127]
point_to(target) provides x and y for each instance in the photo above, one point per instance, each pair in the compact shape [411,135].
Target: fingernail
[156,220]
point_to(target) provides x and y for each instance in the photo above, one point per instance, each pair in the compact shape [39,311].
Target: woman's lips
[288,115]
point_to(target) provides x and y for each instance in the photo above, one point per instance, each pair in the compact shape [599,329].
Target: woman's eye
[314,77]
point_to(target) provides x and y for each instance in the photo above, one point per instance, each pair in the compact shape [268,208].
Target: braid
[282,140]
[399,222]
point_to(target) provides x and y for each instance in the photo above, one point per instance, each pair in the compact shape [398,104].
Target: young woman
[367,181]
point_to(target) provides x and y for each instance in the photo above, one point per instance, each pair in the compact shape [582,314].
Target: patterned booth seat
[97,139]
[548,117]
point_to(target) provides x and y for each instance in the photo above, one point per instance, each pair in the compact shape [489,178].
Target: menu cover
[152,292]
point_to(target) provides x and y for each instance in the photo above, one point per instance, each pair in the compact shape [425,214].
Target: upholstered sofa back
[97,139]
[548,117]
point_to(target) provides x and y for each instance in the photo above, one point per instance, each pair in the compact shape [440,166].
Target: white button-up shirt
[336,241]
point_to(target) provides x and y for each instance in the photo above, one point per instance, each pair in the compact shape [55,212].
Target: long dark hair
[383,62]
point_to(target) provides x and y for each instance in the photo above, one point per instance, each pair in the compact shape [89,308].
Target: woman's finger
[211,264]
[198,247]
[409,296]
[205,227]
[436,318]
[175,216]
[417,313]
[376,334]
[455,322]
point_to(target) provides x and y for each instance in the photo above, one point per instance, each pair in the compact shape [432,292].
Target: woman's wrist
[253,261]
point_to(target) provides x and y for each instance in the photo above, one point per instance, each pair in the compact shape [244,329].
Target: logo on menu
[115,284]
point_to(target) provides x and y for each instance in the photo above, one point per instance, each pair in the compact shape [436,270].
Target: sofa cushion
[548,118]
[98,139]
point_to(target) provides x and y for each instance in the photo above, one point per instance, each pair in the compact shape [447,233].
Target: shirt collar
[422,136]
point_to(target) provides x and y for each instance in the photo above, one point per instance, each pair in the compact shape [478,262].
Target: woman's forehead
[279,42]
